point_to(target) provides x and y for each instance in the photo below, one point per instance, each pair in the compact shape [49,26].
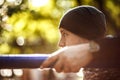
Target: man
[92,54]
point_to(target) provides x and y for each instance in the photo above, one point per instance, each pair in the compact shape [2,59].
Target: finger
[75,68]
[66,69]
[49,62]
[59,65]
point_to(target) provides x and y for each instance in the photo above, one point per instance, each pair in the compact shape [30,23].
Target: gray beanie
[85,21]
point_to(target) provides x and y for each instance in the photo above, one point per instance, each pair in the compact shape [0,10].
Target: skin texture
[71,57]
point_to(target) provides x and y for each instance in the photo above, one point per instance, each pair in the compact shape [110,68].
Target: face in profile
[68,38]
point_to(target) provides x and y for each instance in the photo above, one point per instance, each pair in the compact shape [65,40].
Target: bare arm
[72,58]
[69,59]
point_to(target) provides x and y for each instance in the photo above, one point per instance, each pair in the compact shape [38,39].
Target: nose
[61,43]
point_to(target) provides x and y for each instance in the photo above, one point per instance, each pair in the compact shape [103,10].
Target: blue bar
[22,61]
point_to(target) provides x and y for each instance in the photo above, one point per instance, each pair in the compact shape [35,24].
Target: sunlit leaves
[114,10]
[4,48]
[32,26]
[33,31]
[38,3]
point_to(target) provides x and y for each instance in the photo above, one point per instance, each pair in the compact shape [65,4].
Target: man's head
[85,21]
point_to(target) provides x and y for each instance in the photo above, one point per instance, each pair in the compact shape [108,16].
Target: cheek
[72,41]
[75,40]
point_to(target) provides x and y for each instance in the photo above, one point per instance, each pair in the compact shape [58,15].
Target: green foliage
[34,29]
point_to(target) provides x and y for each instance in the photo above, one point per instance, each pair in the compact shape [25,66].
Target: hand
[69,59]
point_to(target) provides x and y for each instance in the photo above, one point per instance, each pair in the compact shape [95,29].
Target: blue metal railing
[22,61]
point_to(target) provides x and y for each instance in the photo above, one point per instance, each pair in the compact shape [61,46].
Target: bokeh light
[6,72]
[38,3]
[18,72]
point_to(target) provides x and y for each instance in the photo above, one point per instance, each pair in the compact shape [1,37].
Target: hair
[84,21]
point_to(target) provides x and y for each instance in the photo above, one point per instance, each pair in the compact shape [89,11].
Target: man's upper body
[102,52]
[107,57]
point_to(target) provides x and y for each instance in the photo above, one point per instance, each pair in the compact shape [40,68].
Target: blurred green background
[31,26]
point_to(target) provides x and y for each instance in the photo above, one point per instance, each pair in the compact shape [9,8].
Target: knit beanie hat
[84,21]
